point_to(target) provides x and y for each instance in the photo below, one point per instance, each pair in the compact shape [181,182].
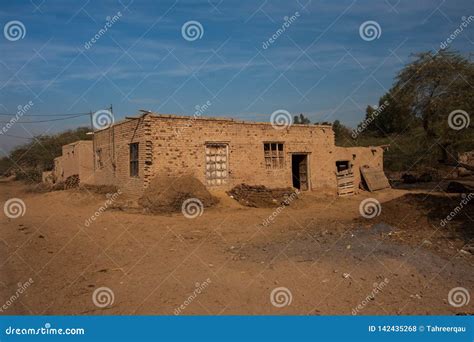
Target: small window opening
[342,165]
[134,160]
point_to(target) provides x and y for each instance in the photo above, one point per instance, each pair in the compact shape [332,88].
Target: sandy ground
[320,249]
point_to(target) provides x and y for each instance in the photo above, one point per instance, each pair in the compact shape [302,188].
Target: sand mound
[259,196]
[167,194]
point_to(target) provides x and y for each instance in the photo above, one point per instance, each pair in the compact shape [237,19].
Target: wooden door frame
[308,169]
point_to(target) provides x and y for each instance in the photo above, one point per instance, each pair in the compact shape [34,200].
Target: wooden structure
[345,183]
[375,179]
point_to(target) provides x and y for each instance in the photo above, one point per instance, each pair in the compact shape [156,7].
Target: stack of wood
[259,196]
[72,182]
[345,183]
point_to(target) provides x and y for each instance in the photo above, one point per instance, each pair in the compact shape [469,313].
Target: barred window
[134,160]
[274,155]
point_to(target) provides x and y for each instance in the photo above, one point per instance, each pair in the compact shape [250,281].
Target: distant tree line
[29,160]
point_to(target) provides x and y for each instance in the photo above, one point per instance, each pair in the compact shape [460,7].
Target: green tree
[301,119]
[418,105]
[390,116]
[433,86]
[342,134]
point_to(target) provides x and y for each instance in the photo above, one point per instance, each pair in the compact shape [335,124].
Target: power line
[34,115]
[40,121]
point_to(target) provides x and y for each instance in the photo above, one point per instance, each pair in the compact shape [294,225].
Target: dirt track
[320,249]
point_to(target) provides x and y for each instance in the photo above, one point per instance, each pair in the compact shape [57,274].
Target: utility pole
[93,139]
[92,121]
[112,131]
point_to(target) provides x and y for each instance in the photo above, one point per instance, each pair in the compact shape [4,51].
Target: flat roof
[204,118]
[78,142]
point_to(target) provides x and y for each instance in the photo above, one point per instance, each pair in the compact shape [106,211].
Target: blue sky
[319,65]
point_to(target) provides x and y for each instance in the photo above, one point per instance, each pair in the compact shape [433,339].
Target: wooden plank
[375,179]
[345,177]
[346,186]
[345,183]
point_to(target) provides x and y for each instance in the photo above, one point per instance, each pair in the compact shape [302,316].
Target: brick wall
[179,148]
[175,145]
[113,166]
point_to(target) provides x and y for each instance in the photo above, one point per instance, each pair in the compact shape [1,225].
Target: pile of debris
[259,196]
[167,194]
[72,182]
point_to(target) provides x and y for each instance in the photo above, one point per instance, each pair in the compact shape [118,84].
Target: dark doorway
[299,171]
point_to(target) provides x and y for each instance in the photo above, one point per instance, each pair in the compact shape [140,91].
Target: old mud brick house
[222,153]
[76,159]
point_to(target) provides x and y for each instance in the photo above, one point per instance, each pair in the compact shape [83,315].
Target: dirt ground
[320,249]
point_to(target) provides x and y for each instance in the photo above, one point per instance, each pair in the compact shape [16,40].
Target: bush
[29,175]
